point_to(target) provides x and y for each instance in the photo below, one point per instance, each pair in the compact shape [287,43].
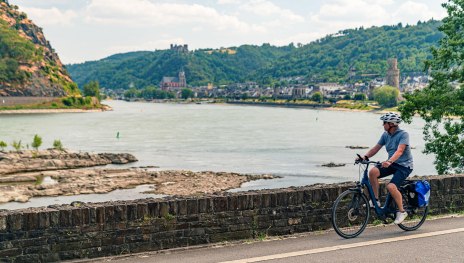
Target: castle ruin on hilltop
[180,48]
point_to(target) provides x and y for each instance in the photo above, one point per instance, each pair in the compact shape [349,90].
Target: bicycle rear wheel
[350,214]
[416,215]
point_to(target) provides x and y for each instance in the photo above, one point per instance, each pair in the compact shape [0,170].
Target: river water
[289,142]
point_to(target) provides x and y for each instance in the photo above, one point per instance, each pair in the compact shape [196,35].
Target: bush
[360,96]
[57,145]
[17,145]
[317,97]
[3,145]
[36,142]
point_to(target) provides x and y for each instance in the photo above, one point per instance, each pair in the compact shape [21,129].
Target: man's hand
[386,164]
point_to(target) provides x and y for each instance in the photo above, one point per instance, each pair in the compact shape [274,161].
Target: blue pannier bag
[422,188]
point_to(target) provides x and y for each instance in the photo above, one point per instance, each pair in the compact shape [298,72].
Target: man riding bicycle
[399,162]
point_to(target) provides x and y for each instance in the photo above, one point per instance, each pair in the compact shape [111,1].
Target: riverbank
[40,105]
[42,111]
[28,174]
[343,105]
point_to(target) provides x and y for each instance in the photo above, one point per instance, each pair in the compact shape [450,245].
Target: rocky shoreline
[28,174]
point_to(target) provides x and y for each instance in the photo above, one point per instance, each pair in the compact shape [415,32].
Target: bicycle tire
[416,215]
[350,214]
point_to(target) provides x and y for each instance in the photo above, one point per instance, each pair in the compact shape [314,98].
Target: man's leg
[399,176]
[395,193]
[374,174]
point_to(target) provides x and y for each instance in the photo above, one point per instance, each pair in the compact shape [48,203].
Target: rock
[31,161]
[330,165]
[356,147]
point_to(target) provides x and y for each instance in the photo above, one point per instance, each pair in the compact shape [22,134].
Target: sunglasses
[385,122]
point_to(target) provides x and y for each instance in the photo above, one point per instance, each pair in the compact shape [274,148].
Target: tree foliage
[441,103]
[317,97]
[58,145]
[13,50]
[386,96]
[36,142]
[327,59]
[360,96]
[92,89]
[187,93]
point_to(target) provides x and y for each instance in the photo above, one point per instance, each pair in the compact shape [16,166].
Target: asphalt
[438,240]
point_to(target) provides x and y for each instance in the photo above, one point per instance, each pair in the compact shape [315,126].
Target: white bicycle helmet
[392,118]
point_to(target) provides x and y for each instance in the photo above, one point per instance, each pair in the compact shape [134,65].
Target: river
[289,142]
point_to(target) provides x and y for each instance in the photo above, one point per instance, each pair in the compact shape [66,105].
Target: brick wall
[95,230]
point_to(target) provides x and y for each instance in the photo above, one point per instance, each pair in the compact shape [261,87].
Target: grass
[55,104]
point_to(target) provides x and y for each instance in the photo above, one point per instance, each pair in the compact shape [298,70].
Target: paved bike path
[440,240]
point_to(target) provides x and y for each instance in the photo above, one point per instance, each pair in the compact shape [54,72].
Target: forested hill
[327,59]
[28,64]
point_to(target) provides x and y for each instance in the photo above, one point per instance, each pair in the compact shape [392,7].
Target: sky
[85,30]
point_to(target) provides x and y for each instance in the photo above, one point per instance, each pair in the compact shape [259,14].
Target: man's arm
[373,151]
[397,154]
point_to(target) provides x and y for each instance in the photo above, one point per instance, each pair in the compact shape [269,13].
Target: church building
[174,83]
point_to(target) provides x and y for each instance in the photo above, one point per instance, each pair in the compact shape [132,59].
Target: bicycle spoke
[350,214]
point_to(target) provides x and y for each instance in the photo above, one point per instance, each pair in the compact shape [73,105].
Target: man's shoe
[372,205]
[400,217]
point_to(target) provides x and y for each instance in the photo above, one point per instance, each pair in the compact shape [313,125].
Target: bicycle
[351,209]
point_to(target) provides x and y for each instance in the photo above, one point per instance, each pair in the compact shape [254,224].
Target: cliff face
[28,64]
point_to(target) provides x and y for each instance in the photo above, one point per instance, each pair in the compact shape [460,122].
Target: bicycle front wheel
[416,215]
[350,214]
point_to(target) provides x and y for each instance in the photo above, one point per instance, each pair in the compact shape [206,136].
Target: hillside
[202,66]
[28,64]
[327,59]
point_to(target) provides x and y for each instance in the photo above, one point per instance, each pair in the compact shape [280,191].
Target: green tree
[92,89]
[3,145]
[36,142]
[386,96]
[441,103]
[317,97]
[360,96]
[57,145]
[131,93]
[187,93]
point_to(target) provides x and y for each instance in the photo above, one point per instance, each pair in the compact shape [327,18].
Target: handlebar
[364,161]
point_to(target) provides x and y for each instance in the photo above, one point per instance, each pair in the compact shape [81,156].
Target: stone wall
[13,101]
[94,230]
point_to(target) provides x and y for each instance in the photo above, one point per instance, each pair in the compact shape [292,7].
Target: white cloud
[228,2]
[269,9]
[50,16]
[354,12]
[410,12]
[142,13]
[303,38]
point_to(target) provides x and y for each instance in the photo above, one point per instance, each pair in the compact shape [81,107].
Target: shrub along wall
[95,230]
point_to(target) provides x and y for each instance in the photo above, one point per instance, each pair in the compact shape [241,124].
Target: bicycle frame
[382,212]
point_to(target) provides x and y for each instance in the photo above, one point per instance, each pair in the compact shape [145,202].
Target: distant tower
[182,80]
[393,73]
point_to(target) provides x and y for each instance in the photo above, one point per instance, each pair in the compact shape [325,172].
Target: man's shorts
[400,173]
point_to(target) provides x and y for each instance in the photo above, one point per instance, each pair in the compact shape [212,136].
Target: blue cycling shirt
[392,142]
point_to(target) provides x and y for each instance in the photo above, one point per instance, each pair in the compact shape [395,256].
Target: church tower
[182,80]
